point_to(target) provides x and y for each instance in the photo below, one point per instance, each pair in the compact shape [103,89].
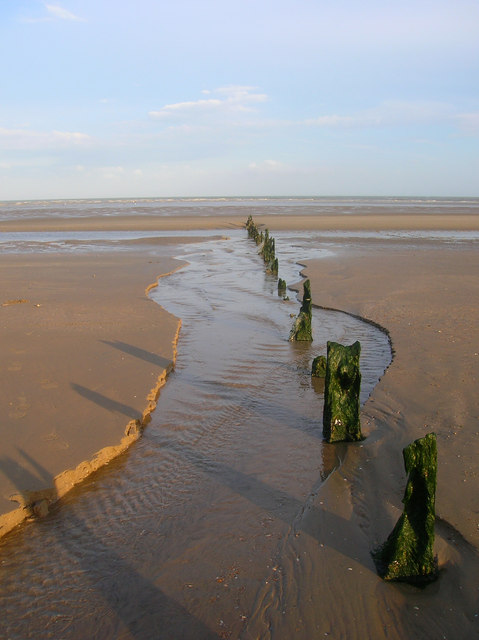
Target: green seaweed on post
[267,249]
[318,368]
[302,330]
[408,555]
[341,421]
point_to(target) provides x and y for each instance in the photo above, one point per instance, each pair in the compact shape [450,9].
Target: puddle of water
[176,538]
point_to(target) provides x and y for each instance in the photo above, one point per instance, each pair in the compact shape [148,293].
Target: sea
[317,205]
[19,241]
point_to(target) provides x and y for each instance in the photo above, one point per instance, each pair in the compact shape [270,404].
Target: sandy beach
[277,222]
[427,299]
[84,352]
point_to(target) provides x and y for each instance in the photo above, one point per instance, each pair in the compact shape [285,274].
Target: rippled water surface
[291,206]
[177,538]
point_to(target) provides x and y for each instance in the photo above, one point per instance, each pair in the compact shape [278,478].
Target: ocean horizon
[221,205]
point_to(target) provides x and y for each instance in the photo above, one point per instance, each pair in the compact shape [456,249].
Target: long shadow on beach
[322,525]
[138,604]
[29,478]
[137,352]
[105,402]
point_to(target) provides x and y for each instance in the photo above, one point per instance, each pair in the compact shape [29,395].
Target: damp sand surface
[242,523]
[72,326]
[273,220]
[428,298]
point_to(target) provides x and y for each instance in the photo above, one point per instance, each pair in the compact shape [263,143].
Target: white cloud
[62,14]
[232,99]
[185,108]
[111,173]
[268,166]
[332,121]
[28,140]
[389,113]
[238,93]
[54,12]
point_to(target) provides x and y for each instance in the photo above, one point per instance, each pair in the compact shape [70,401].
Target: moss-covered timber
[342,385]
[252,229]
[267,250]
[301,329]
[281,287]
[318,368]
[407,555]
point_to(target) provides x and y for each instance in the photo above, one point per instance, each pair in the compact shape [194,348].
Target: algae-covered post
[252,229]
[318,368]
[341,393]
[267,250]
[281,287]
[301,330]
[407,555]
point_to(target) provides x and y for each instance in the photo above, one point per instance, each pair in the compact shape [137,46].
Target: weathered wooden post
[281,287]
[301,329]
[318,368]
[341,393]
[407,554]
[268,245]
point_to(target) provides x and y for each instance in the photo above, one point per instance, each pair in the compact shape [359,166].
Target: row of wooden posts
[407,554]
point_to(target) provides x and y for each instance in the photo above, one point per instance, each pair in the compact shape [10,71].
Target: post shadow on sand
[31,480]
[105,402]
[138,604]
[325,527]
[137,352]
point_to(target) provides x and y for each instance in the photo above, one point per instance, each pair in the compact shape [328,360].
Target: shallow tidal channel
[191,534]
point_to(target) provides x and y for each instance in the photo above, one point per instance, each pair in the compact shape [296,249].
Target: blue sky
[103,98]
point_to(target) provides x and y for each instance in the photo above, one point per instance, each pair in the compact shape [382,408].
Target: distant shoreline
[217,198]
[373,221]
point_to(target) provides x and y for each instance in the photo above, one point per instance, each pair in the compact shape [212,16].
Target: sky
[109,98]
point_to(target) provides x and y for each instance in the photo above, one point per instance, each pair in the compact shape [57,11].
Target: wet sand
[83,352]
[428,299]
[278,222]
[96,346]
